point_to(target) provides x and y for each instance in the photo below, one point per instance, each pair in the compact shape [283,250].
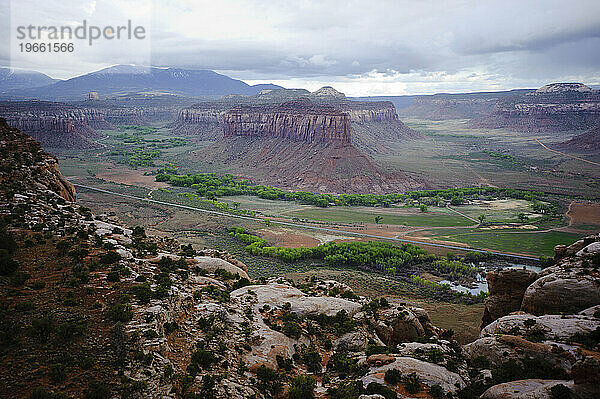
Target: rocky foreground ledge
[95,309]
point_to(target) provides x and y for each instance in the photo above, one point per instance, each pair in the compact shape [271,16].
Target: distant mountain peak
[563,87]
[328,91]
[119,79]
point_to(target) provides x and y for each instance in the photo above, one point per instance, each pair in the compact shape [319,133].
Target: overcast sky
[360,47]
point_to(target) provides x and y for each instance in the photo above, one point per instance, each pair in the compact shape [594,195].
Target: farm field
[533,243]
[438,217]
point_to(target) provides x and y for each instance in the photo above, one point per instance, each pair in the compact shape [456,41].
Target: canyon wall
[552,108]
[297,121]
[55,124]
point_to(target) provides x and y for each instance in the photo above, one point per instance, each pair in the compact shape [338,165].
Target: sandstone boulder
[498,350]
[524,389]
[561,290]
[553,327]
[506,290]
[429,373]
[276,295]
[398,324]
[212,264]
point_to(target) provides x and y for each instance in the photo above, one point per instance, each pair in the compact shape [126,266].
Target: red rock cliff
[298,121]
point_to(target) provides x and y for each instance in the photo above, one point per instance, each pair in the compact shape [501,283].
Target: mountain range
[122,79]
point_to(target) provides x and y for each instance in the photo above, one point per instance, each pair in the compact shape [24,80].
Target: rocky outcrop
[524,389]
[298,165]
[571,285]
[506,289]
[277,295]
[24,164]
[550,327]
[297,121]
[430,374]
[554,332]
[554,108]
[397,325]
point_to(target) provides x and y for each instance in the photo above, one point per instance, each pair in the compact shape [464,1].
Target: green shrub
[412,383]
[109,258]
[560,391]
[120,312]
[96,390]
[312,360]
[58,372]
[268,380]
[392,376]
[113,276]
[377,389]
[142,293]
[302,387]
[170,327]
[342,363]
[43,327]
[203,358]
[292,330]
[436,391]
[7,264]
[71,328]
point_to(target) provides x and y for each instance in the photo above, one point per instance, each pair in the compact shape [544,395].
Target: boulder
[561,290]
[276,295]
[553,327]
[506,290]
[356,339]
[524,389]
[429,373]
[212,264]
[498,350]
[398,324]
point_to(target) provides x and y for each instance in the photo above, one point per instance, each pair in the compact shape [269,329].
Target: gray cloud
[366,46]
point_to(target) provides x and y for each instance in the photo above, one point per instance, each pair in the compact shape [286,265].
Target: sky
[359,47]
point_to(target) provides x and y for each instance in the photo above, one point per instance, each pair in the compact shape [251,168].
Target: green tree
[481,218]
[523,217]
[378,219]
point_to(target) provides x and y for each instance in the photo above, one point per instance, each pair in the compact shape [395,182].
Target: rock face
[571,285]
[553,108]
[506,290]
[451,106]
[303,144]
[371,122]
[297,121]
[24,163]
[55,124]
[588,141]
[557,324]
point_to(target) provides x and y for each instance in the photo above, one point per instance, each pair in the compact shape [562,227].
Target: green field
[435,218]
[518,242]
